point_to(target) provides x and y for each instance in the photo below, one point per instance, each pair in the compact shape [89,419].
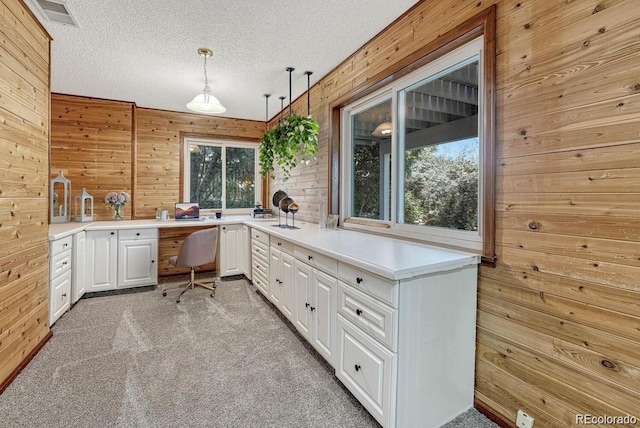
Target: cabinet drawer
[60,263]
[260,236]
[373,318]
[260,281]
[135,234]
[260,251]
[260,267]
[60,245]
[373,285]
[319,261]
[284,246]
[60,296]
[366,368]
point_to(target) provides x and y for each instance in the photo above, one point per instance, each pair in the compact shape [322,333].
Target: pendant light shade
[205,102]
[383,130]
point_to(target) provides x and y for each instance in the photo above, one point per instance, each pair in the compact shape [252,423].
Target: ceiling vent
[56,11]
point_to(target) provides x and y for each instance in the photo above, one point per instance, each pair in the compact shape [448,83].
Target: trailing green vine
[292,140]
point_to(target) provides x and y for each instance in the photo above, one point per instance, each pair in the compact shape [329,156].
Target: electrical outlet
[523,420]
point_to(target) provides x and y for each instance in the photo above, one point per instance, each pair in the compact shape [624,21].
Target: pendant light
[205,102]
[385,129]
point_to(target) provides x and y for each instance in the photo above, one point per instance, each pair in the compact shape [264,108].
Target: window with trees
[221,174]
[412,153]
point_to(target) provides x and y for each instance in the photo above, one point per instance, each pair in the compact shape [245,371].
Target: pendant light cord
[266,111]
[290,70]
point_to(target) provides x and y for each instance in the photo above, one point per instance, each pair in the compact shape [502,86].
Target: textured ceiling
[145,50]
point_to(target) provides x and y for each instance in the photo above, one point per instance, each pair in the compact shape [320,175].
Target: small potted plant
[292,140]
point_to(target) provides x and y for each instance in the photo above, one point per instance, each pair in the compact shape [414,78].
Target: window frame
[482,24]
[472,240]
[224,144]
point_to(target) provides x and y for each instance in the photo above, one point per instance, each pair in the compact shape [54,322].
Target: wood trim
[488,130]
[24,362]
[134,160]
[494,417]
[196,114]
[484,23]
[92,98]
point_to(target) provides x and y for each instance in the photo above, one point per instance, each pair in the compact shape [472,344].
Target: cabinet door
[324,293]
[287,289]
[231,250]
[59,296]
[137,263]
[78,266]
[275,274]
[303,298]
[246,251]
[102,260]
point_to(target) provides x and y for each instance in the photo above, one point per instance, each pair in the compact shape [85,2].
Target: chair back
[199,248]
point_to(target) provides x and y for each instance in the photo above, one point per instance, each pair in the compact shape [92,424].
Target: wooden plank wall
[107,145]
[158,152]
[24,186]
[91,144]
[559,317]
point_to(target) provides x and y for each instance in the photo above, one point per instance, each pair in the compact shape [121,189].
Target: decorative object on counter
[332,221]
[84,206]
[284,206]
[60,199]
[218,214]
[117,202]
[259,212]
[277,197]
[162,215]
[205,102]
[293,139]
[293,209]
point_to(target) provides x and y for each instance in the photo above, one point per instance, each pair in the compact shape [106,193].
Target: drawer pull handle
[64,295]
[310,257]
[358,312]
[312,308]
[359,280]
[279,244]
[138,234]
[64,263]
[306,305]
[64,245]
[257,236]
[224,228]
[153,261]
[113,233]
[357,367]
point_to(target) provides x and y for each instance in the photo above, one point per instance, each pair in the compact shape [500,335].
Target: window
[411,153]
[221,174]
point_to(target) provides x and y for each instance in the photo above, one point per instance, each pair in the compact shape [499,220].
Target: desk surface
[390,258]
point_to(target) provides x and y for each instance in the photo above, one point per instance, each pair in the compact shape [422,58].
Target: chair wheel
[178,301]
[164,294]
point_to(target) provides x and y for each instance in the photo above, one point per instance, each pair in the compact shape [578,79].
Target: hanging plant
[292,140]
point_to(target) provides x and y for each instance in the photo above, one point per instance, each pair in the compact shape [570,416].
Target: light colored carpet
[141,360]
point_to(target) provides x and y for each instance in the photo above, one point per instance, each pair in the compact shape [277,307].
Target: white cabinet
[231,250]
[246,251]
[60,270]
[315,308]
[79,263]
[260,270]
[281,283]
[137,254]
[102,260]
[121,259]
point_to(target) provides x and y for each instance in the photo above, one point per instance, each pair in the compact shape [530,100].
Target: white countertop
[390,258]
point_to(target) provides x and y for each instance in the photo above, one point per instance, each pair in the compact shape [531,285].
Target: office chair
[198,249]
